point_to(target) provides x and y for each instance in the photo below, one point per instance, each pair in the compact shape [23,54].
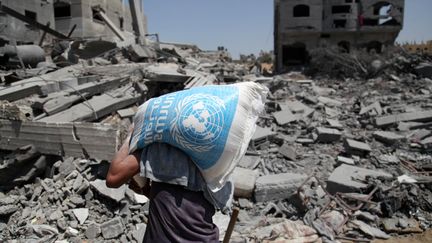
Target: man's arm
[124,166]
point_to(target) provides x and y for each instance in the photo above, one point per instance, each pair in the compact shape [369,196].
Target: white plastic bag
[212,124]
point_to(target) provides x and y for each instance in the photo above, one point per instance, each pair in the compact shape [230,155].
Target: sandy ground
[426,237]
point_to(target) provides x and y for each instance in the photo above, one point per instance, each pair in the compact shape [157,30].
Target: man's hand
[124,165]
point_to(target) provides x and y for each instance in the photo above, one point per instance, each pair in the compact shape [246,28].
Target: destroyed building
[420,48]
[93,19]
[304,25]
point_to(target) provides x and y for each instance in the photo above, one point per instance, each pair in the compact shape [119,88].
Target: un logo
[199,122]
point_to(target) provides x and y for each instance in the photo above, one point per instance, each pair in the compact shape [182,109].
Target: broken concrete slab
[329,102]
[126,113]
[387,137]
[288,152]
[328,135]
[332,113]
[112,229]
[139,232]
[93,231]
[278,186]
[244,182]
[98,141]
[263,133]
[165,72]
[249,162]
[356,147]
[8,210]
[116,194]
[392,225]
[333,123]
[81,214]
[301,110]
[370,231]
[46,83]
[347,178]
[284,117]
[345,160]
[417,135]
[373,109]
[96,107]
[420,116]
[59,101]
[388,159]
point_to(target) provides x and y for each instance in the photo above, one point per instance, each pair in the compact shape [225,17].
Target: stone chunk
[262,133]
[112,229]
[288,152]
[373,109]
[328,135]
[126,113]
[387,137]
[244,182]
[329,102]
[300,110]
[356,147]
[392,225]
[347,178]
[369,230]
[345,160]
[334,123]
[8,209]
[92,231]
[81,214]
[139,233]
[277,187]
[284,117]
[249,162]
[115,194]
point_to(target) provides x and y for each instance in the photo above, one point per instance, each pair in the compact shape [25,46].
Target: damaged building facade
[304,25]
[72,18]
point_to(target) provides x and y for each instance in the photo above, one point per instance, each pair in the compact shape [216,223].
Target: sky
[246,26]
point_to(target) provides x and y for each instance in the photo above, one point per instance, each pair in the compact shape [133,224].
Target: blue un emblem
[199,122]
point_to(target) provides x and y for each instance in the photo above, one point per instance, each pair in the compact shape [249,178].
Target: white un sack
[212,124]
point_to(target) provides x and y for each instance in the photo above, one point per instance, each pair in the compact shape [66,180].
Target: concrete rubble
[335,157]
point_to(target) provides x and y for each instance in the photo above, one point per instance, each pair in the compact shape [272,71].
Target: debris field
[336,157]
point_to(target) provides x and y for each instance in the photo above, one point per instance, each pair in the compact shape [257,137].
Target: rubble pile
[362,64]
[350,160]
[331,160]
[73,204]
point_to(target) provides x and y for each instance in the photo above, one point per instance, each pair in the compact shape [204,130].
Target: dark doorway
[294,54]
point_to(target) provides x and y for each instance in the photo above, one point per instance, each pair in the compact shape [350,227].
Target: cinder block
[356,147]
[277,187]
[328,135]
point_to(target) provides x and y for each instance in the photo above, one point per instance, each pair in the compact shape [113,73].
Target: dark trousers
[179,215]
